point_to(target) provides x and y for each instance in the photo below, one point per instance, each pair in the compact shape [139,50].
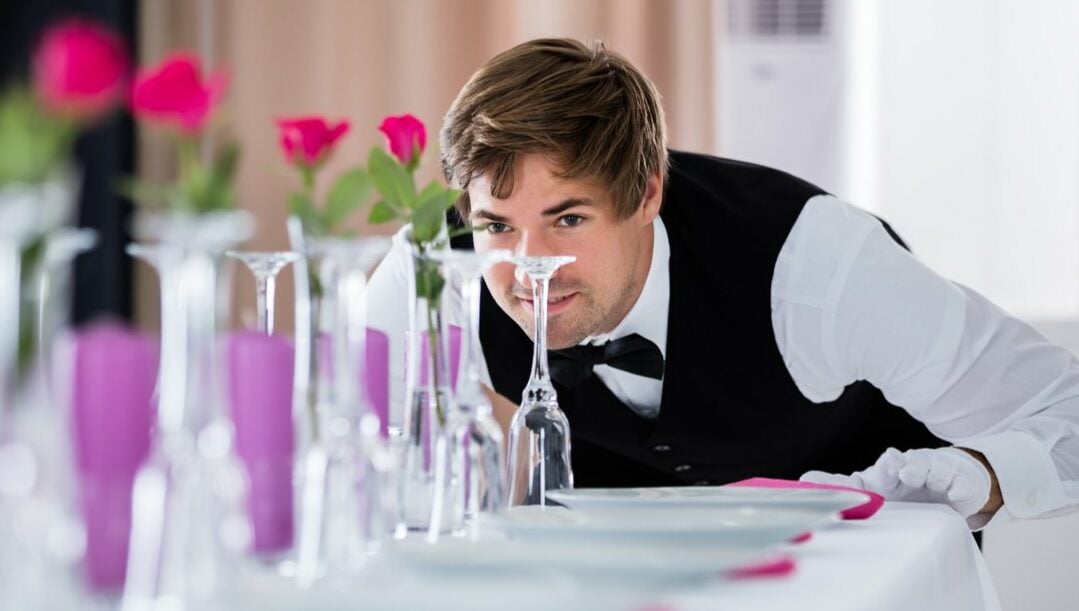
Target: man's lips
[555,303]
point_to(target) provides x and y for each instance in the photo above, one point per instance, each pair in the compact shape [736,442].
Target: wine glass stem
[539,356]
[265,286]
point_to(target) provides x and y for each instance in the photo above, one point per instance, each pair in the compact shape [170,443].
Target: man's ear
[653,197]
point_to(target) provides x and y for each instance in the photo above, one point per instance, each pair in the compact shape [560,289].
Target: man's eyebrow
[572,202]
[490,217]
[559,208]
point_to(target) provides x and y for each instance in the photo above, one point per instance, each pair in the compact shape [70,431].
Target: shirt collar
[648,316]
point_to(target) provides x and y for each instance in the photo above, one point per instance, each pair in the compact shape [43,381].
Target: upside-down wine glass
[539,457]
[345,468]
[474,444]
[265,266]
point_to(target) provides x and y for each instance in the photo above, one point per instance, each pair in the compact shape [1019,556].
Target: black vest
[730,409]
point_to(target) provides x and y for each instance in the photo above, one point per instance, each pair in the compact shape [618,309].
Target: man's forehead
[535,181]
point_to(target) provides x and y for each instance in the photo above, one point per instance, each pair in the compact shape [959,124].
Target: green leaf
[218,189]
[429,282]
[191,186]
[428,216]
[381,212]
[143,193]
[300,205]
[391,179]
[32,142]
[224,167]
[346,195]
[432,189]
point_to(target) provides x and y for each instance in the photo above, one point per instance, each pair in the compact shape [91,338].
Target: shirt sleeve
[850,304]
[387,311]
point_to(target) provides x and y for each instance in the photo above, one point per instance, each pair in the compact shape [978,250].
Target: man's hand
[956,476]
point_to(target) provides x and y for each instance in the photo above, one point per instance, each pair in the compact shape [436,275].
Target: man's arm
[850,304]
[995,500]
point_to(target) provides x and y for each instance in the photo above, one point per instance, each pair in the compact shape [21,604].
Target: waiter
[725,320]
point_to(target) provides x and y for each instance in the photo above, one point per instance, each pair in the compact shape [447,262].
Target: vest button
[661,447]
[682,468]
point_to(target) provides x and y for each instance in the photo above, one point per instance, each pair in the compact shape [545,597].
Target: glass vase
[190,529]
[43,535]
[428,398]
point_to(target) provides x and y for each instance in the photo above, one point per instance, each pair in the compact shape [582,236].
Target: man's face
[549,215]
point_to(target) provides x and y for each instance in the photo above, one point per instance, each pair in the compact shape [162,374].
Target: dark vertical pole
[102,277]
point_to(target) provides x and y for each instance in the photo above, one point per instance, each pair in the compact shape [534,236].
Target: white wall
[979,144]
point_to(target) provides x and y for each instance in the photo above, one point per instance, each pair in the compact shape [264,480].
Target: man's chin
[561,345]
[559,339]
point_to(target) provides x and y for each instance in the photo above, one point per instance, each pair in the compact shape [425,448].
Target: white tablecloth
[910,556]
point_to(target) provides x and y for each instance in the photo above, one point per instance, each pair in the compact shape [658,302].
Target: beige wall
[364,59]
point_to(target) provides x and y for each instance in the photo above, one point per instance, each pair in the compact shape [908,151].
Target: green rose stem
[32,261]
[427,282]
[307,173]
[187,151]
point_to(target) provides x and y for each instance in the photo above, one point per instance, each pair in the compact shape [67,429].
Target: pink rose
[406,136]
[308,140]
[175,94]
[80,69]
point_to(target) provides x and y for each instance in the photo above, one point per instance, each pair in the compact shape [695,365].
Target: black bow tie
[632,353]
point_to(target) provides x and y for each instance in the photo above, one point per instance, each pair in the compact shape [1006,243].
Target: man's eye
[570,220]
[497,228]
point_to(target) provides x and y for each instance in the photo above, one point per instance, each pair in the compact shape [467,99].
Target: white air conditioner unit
[781,91]
[957,121]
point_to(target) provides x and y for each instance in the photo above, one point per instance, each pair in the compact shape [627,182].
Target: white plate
[702,526]
[622,562]
[697,496]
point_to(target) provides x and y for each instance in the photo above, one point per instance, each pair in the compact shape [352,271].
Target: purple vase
[260,401]
[114,371]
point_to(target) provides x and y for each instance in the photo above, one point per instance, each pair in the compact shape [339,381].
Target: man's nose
[532,244]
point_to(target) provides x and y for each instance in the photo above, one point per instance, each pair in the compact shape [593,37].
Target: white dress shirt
[849,304]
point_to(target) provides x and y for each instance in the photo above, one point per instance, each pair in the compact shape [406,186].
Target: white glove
[943,475]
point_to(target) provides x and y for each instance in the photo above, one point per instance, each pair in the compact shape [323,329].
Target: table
[908,556]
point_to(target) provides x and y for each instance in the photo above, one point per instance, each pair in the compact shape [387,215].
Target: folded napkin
[777,567]
[859,512]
